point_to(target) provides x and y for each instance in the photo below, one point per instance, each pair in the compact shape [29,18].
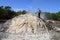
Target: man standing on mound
[39,12]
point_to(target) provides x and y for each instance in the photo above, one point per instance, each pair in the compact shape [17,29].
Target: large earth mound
[25,23]
[27,27]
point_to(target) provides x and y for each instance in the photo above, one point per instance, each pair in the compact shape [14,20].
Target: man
[39,12]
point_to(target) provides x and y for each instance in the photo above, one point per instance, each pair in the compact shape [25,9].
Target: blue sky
[44,5]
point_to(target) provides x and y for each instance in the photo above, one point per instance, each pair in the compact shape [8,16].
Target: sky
[44,5]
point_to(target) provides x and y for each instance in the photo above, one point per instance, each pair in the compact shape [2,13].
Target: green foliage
[21,12]
[24,11]
[53,16]
[7,13]
[58,16]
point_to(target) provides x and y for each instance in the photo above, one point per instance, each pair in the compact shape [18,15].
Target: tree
[24,12]
[7,13]
[58,15]
[54,17]
[19,12]
[7,8]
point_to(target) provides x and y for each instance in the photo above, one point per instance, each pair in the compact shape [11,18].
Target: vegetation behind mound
[7,13]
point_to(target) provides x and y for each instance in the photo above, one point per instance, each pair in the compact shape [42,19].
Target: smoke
[43,16]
